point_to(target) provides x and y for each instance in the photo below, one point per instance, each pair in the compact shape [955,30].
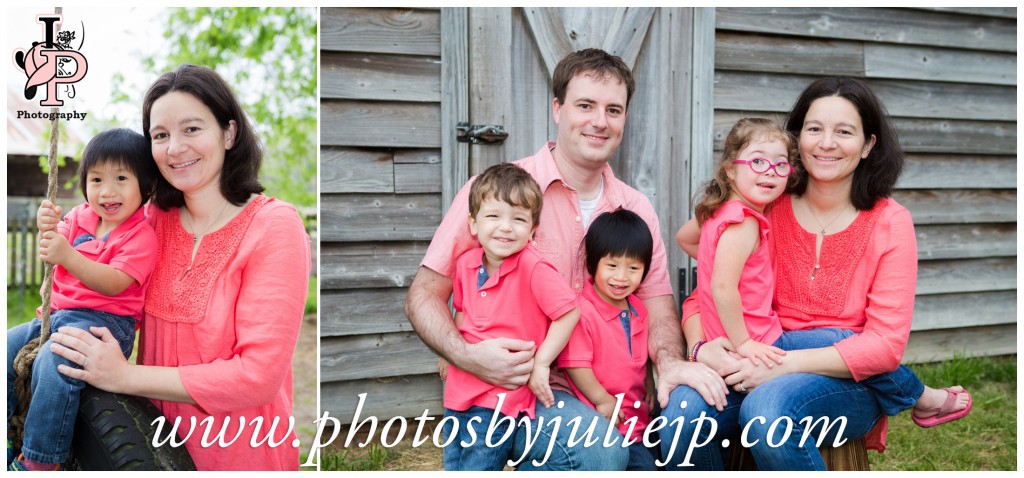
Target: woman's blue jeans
[809,406]
[548,448]
[50,423]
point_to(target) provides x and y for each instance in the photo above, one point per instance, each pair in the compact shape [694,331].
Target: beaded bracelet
[696,347]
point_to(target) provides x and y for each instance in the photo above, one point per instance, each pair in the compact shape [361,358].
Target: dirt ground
[304,384]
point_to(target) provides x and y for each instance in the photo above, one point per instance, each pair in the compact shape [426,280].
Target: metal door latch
[480,133]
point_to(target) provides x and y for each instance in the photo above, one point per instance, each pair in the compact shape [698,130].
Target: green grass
[22,304]
[984,440]
[376,458]
[311,295]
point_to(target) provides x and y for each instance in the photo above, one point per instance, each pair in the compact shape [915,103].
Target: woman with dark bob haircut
[226,299]
[845,260]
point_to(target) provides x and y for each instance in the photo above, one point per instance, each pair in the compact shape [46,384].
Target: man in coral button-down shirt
[591,92]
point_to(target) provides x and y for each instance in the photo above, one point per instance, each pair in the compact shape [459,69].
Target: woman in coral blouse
[225,303]
[845,258]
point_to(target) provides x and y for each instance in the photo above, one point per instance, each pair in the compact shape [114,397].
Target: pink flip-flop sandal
[944,415]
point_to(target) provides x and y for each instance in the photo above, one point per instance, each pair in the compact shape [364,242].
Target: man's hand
[442,368]
[503,362]
[698,376]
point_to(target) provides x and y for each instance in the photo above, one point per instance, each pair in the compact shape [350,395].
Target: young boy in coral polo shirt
[103,256]
[504,288]
[607,354]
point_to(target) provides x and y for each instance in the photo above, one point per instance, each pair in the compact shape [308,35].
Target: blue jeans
[50,423]
[642,458]
[554,446]
[690,442]
[471,449]
[567,441]
[895,391]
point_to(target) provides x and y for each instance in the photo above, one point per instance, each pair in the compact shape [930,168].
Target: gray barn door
[497,66]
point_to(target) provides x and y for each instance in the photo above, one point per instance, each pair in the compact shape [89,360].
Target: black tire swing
[112,431]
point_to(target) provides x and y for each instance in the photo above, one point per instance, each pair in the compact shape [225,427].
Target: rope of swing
[28,353]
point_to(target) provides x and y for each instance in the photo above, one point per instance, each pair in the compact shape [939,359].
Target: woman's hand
[97,352]
[750,376]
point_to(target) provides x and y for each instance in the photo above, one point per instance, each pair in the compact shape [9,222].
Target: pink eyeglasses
[761,165]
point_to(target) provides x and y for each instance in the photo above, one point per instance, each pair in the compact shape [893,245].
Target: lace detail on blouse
[177,293]
[794,260]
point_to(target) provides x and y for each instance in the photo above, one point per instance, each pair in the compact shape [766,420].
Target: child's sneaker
[19,465]
[16,464]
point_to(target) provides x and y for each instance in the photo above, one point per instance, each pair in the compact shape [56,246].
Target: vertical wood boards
[454,101]
[490,80]
[702,125]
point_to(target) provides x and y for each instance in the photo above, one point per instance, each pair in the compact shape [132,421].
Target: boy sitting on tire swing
[103,257]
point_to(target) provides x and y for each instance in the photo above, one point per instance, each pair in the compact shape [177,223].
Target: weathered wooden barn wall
[949,79]
[380,183]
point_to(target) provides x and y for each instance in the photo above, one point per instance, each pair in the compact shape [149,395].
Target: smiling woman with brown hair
[845,258]
[224,307]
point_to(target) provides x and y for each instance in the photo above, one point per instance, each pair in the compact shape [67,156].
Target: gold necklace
[818,243]
[823,227]
[195,236]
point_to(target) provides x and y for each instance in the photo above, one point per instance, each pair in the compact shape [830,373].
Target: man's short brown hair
[590,61]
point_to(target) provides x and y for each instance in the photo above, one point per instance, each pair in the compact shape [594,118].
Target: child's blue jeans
[895,391]
[795,396]
[50,424]
[471,448]
[551,446]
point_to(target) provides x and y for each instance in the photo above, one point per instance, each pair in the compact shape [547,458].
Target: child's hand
[442,368]
[54,248]
[47,216]
[759,353]
[540,387]
[607,408]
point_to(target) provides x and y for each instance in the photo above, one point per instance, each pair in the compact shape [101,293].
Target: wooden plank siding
[880,25]
[381,188]
[948,78]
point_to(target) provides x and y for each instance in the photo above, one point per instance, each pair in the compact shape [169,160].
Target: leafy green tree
[269,57]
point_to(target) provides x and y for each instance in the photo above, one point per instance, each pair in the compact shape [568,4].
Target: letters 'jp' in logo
[51,62]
